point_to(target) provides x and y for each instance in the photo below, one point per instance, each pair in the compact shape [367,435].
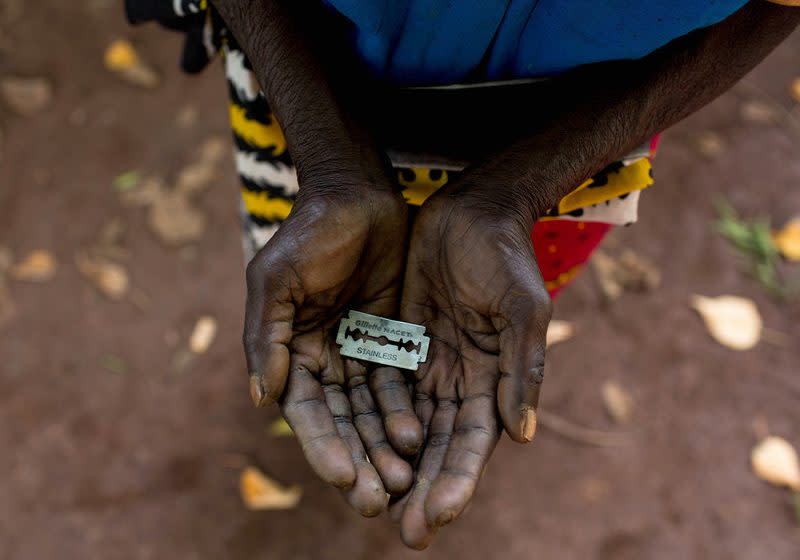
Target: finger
[367,496]
[402,426]
[414,529]
[424,407]
[306,410]
[395,473]
[475,435]
[521,363]
[269,314]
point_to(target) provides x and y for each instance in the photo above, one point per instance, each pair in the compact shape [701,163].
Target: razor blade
[383,341]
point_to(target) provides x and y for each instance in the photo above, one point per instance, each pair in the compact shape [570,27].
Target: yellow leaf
[121,58]
[559,331]
[795,89]
[120,55]
[618,402]
[775,461]
[260,492]
[787,240]
[733,321]
[280,428]
[38,266]
[203,334]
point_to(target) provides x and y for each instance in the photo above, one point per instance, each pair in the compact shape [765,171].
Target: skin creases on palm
[325,259]
[475,286]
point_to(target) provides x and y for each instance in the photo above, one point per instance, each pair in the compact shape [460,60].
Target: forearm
[601,112]
[324,143]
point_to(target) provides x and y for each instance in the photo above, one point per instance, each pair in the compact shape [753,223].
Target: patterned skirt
[563,240]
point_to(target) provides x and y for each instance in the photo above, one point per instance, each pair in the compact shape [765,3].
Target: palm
[474,284]
[329,257]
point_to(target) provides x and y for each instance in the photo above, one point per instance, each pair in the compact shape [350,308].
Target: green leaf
[127,181]
[753,239]
[114,363]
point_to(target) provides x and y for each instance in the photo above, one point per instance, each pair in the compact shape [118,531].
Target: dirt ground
[107,451]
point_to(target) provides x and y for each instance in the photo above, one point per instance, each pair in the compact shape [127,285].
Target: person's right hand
[336,251]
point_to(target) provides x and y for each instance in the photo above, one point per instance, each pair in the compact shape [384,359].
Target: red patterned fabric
[562,247]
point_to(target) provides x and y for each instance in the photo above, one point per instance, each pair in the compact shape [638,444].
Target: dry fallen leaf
[195,177]
[559,331]
[733,321]
[638,274]
[186,117]
[627,272]
[605,271]
[145,193]
[205,329]
[757,112]
[260,492]
[794,88]
[121,58]
[38,266]
[787,240]
[214,149]
[710,143]
[775,461]
[280,428]
[175,221]
[171,215]
[110,278]
[618,402]
[26,96]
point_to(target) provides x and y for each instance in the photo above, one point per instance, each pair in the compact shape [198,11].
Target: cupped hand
[473,282]
[333,253]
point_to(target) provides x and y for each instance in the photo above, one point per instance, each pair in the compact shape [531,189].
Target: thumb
[521,364]
[269,315]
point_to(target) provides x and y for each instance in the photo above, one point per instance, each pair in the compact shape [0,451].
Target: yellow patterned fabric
[269,181]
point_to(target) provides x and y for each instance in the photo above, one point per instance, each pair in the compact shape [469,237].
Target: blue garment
[448,41]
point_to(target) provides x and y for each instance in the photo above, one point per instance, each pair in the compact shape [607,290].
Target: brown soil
[144,464]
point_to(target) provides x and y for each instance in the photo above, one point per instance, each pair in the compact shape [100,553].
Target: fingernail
[444,518]
[528,423]
[257,393]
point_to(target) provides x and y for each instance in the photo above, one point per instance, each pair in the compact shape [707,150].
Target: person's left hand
[473,282]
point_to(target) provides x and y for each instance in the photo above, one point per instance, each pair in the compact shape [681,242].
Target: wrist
[503,201]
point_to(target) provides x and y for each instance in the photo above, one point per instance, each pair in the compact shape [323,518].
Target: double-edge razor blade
[383,341]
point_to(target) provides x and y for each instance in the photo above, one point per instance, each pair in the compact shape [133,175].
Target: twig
[589,436]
